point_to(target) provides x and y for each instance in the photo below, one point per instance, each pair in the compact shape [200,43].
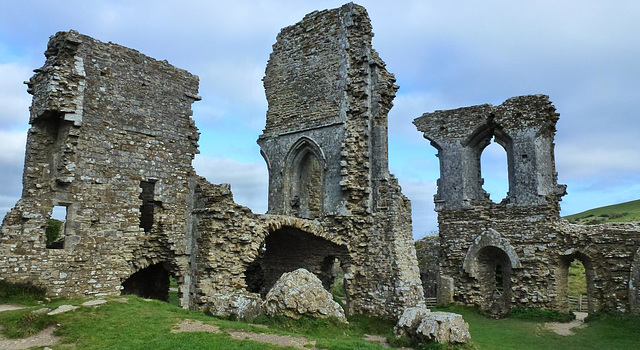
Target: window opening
[495,173]
[148,204]
[55,231]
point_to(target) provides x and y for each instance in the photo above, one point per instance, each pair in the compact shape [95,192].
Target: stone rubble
[300,293]
[423,325]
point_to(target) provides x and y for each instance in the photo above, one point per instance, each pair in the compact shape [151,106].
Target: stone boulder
[300,293]
[423,325]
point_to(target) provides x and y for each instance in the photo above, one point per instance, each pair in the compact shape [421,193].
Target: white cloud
[14,98]
[424,218]
[249,180]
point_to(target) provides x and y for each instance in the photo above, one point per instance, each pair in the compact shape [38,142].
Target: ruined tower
[111,144]
[325,144]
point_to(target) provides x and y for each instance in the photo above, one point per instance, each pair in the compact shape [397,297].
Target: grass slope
[623,212]
[606,332]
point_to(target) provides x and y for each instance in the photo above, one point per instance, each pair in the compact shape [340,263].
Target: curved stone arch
[288,243]
[475,144]
[149,278]
[489,238]
[301,145]
[304,177]
[585,255]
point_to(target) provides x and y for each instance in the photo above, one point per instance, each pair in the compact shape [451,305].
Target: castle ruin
[112,142]
[516,253]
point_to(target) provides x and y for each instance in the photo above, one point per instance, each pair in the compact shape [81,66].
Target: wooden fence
[578,303]
[430,302]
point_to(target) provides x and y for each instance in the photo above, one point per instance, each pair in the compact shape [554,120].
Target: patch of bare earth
[281,340]
[44,338]
[565,328]
[6,307]
[194,326]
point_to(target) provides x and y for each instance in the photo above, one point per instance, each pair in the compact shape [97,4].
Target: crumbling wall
[427,250]
[516,253]
[329,94]
[104,120]
[112,141]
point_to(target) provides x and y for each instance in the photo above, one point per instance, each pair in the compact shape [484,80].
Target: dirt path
[275,339]
[565,328]
[44,338]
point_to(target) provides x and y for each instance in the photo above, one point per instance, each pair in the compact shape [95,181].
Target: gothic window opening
[494,171]
[305,180]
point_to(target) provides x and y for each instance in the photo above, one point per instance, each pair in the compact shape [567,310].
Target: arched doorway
[151,282]
[494,278]
[575,283]
[287,249]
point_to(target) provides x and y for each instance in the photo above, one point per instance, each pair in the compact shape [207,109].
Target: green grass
[623,212]
[577,281]
[607,332]
[139,324]
[21,293]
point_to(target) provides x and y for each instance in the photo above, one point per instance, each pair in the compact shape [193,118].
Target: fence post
[580,303]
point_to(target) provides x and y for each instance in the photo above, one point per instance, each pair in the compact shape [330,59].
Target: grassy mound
[623,212]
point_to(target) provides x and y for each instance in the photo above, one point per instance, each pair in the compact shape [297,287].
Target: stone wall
[427,250]
[329,95]
[112,141]
[516,253]
[104,120]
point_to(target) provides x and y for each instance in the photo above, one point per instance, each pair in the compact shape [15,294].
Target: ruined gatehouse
[516,253]
[112,142]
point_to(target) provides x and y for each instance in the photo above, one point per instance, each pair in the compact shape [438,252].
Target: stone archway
[491,260]
[288,248]
[562,279]
[151,282]
[494,278]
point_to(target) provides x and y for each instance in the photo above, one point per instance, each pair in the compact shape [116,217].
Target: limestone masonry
[516,253]
[112,142]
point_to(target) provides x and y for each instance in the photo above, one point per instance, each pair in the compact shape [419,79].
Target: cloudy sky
[445,54]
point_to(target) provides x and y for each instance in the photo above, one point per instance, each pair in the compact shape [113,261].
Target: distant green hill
[623,212]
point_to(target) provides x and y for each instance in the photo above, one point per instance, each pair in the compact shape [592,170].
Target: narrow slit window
[148,204]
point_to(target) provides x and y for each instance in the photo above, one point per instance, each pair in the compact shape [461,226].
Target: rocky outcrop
[300,293]
[423,325]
